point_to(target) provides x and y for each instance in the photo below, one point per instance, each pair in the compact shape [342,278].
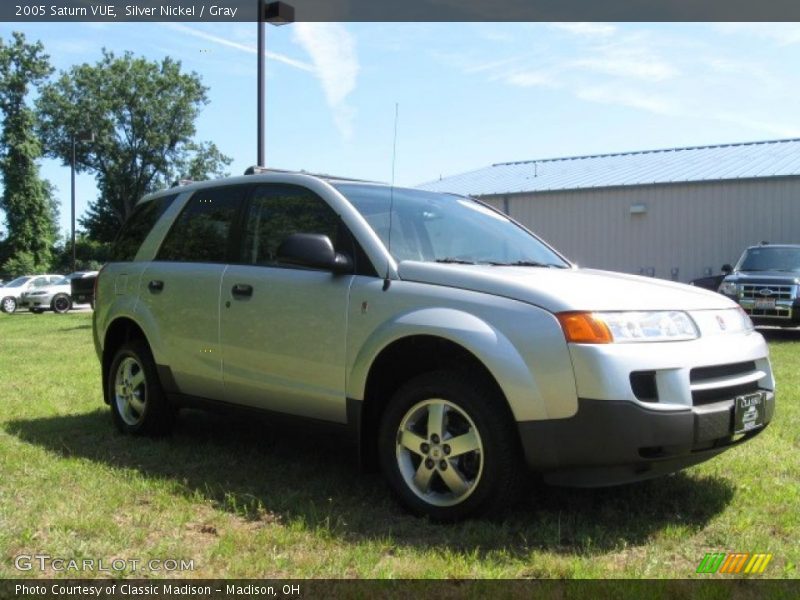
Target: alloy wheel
[439,452]
[130,391]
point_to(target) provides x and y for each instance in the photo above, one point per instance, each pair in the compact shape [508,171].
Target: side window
[277,211]
[137,226]
[201,233]
[39,281]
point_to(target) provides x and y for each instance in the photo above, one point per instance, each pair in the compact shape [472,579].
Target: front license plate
[749,412]
[765,303]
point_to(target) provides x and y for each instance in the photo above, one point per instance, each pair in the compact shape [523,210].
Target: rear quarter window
[201,233]
[144,216]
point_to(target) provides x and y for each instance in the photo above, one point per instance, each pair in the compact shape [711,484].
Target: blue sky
[469,94]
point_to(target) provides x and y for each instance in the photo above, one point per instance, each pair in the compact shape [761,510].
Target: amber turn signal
[584,328]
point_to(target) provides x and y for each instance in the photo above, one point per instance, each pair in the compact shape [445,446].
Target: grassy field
[243,500]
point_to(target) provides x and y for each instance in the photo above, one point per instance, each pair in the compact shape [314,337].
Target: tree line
[132,124]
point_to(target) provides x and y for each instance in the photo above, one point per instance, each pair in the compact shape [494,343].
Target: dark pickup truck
[82,289]
[766,284]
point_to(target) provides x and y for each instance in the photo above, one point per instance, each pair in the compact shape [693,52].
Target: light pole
[276,13]
[84,137]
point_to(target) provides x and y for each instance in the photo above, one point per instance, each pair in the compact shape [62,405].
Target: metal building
[678,213]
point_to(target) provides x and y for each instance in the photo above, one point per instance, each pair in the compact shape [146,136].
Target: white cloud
[783,34]
[619,65]
[198,33]
[333,53]
[528,79]
[586,29]
[622,96]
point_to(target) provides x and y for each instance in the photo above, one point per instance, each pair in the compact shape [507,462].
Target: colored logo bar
[734,562]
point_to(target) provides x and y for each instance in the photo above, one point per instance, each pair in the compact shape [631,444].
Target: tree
[27,199]
[90,254]
[142,115]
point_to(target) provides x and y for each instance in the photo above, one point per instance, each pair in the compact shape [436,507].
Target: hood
[764,276]
[559,290]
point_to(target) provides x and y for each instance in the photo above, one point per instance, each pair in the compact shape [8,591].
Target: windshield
[19,281]
[770,258]
[432,227]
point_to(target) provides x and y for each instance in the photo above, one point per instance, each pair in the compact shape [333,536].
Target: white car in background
[55,296]
[11,292]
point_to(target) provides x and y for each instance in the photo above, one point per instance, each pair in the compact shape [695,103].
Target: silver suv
[456,347]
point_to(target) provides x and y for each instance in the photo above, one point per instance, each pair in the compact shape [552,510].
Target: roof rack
[257,170]
[181,182]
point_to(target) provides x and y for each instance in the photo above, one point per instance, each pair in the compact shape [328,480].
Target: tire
[485,477]
[138,404]
[61,304]
[8,304]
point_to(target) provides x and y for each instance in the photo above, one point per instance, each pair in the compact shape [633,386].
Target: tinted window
[278,211]
[137,226]
[202,231]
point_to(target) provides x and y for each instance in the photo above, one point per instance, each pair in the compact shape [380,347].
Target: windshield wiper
[455,261]
[525,263]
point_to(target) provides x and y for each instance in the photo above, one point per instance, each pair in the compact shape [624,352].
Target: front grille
[701,373]
[723,382]
[701,397]
[753,291]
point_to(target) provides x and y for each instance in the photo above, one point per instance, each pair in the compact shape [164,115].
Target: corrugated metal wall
[690,227]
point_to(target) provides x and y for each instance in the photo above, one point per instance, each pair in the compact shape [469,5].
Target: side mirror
[313,250]
[727,269]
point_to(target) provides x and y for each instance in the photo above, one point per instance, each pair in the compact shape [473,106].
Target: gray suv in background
[453,345]
[766,283]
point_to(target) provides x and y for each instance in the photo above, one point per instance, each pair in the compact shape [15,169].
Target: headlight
[728,288]
[622,327]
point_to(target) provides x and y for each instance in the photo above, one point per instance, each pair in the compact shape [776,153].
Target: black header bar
[403,10]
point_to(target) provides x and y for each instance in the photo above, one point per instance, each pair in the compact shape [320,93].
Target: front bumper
[783,312]
[611,442]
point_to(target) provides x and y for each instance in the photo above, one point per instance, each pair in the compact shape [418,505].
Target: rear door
[180,289]
[283,329]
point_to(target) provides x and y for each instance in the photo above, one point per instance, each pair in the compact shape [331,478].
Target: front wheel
[449,449]
[138,403]
[8,305]
[61,304]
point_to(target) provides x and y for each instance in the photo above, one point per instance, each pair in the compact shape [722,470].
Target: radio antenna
[386,281]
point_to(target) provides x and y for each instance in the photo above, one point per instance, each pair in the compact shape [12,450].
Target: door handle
[242,290]
[156,285]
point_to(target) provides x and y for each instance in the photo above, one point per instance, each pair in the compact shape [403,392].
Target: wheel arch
[119,331]
[430,339]
[397,363]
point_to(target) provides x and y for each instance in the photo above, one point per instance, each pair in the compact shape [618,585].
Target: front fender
[485,342]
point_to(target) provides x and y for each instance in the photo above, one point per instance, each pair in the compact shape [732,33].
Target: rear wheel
[138,403]
[8,305]
[61,304]
[449,448]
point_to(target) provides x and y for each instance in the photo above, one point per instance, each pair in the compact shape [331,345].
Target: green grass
[244,500]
